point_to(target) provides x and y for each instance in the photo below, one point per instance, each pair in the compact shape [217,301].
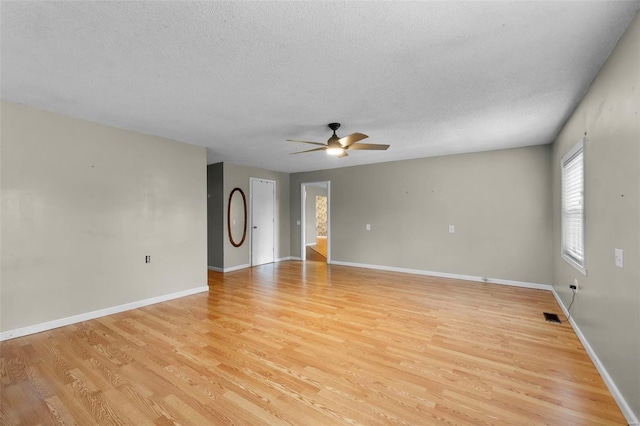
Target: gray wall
[310,210]
[238,177]
[82,205]
[216,227]
[607,305]
[499,202]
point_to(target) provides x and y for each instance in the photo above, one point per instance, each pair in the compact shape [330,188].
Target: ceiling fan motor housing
[332,142]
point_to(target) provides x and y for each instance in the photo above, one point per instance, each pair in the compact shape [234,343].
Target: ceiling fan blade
[312,143]
[310,150]
[372,146]
[351,139]
[343,154]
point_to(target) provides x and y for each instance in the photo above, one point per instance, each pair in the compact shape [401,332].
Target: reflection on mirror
[237,217]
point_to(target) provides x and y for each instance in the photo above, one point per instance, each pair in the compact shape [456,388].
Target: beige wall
[607,305]
[82,205]
[238,177]
[216,227]
[498,201]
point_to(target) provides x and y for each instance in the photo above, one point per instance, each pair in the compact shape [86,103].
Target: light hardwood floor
[321,245]
[317,252]
[314,256]
[312,344]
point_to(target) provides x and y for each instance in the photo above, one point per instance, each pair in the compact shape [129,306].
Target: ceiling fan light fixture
[337,146]
[335,151]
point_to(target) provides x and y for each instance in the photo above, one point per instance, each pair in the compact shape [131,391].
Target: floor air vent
[551,317]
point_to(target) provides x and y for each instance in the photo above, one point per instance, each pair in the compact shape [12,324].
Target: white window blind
[573,206]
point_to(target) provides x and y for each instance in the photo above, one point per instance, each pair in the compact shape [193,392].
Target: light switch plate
[619,253]
[298,222]
[368,227]
[452,229]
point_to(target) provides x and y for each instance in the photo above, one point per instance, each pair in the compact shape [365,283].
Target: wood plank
[310,343]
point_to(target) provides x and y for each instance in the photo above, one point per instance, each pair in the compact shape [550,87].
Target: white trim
[236,268]
[615,392]
[573,263]
[579,146]
[303,218]
[577,149]
[303,221]
[329,237]
[49,325]
[246,265]
[513,283]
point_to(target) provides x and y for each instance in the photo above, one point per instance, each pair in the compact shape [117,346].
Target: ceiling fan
[338,146]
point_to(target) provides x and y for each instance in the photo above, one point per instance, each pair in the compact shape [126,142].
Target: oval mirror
[237,217]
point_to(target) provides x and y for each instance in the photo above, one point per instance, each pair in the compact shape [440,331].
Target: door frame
[303,228]
[275,188]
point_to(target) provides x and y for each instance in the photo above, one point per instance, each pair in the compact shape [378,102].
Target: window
[573,207]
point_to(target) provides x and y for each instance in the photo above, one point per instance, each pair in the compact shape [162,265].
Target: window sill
[573,263]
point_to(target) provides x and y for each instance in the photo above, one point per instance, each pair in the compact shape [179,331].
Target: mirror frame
[244,229]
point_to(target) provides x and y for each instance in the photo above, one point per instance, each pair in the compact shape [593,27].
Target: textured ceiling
[429,78]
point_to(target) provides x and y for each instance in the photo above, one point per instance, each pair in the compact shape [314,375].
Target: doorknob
[255,227]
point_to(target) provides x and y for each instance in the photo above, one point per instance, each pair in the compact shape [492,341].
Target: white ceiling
[429,78]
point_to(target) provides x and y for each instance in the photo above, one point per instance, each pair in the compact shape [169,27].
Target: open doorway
[316,225]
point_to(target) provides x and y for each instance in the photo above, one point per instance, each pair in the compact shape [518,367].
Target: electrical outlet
[147,259]
[574,286]
[619,255]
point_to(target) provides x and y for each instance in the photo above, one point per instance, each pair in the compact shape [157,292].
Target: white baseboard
[244,266]
[49,325]
[615,392]
[525,284]
[229,269]
[236,268]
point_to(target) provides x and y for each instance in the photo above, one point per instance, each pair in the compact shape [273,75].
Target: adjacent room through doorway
[315,223]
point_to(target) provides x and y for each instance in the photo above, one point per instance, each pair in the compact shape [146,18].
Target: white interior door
[263,203]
